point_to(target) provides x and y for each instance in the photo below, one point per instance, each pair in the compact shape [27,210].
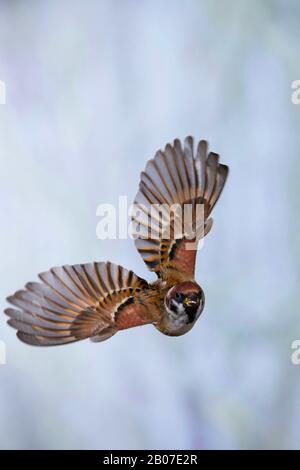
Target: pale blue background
[93,90]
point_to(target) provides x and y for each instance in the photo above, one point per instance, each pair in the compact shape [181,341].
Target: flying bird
[96,300]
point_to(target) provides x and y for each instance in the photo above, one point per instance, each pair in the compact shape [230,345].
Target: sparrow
[97,300]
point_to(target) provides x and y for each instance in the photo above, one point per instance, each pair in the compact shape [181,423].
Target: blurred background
[93,90]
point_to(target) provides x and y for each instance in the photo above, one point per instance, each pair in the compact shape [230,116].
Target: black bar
[136,458]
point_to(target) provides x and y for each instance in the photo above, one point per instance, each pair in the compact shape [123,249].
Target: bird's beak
[189,302]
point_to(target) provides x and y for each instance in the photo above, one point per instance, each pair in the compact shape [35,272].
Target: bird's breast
[174,323]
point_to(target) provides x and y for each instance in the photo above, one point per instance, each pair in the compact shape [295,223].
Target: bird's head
[184,303]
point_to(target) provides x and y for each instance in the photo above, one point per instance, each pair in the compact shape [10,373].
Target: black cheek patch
[191,313]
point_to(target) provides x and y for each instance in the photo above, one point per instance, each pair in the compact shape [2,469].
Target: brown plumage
[97,300]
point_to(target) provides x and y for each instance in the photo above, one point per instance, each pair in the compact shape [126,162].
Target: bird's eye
[179,296]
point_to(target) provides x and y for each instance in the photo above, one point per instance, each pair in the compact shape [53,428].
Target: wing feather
[176,176]
[71,303]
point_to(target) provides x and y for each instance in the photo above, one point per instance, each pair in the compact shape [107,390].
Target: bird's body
[172,320]
[96,300]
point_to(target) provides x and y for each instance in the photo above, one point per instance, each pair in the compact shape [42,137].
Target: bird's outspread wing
[71,303]
[190,181]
